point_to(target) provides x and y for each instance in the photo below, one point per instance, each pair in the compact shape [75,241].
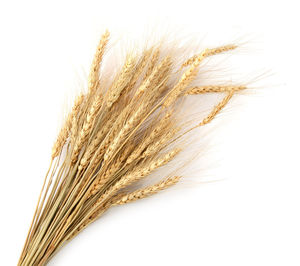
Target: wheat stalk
[116,135]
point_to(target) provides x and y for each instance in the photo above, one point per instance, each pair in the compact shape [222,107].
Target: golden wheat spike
[214,88]
[121,81]
[65,130]
[148,191]
[187,77]
[217,109]
[153,62]
[140,67]
[210,52]
[87,126]
[154,75]
[96,64]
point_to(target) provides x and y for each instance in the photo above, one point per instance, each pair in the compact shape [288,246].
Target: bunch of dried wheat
[116,135]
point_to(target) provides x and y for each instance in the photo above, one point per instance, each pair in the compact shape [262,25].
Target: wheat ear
[214,88]
[94,75]
[65,130]
[210,52]
[148,191]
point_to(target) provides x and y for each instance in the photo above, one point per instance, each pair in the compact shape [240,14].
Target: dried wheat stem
[37,243]
[42,211]
[36,212]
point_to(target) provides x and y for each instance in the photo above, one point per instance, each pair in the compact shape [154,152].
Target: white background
[249,217]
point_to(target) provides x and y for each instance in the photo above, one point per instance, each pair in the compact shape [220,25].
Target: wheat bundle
[117,133]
